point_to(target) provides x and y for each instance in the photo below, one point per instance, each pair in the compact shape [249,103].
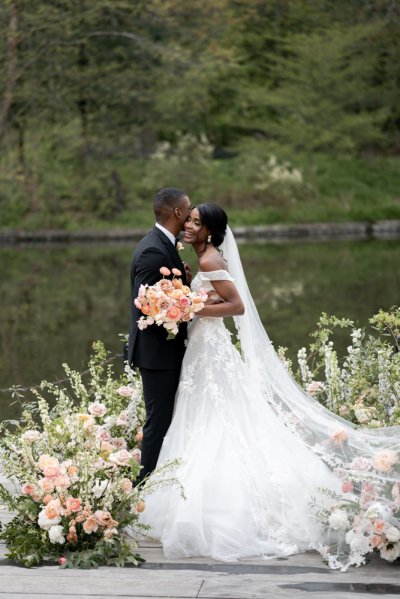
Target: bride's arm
[231,305]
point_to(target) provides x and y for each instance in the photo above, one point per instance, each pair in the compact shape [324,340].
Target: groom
[158,360]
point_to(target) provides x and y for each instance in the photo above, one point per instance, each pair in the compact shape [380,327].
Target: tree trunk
[11,69]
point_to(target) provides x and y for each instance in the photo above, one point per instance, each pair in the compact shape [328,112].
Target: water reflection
[57,300]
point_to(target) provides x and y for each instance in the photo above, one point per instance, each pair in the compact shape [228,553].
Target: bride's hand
[213,298]
[188,272]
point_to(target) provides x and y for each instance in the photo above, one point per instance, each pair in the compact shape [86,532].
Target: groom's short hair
[165,201]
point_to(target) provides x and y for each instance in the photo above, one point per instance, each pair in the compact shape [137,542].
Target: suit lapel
[172,251]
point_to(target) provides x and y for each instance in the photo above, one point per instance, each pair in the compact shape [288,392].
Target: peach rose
[379,526]
[139,436]
[62,482]
[72,537]
[376,541]
[51,471]
[53,509]
[384,460]
[46,485]
[90,525]
[46,460]
[339,436]
[165,271]
[126,485]
[73,472]
[177,283]
[140,507]
[110,532]
[173,313]
[105,519]
[186,317]
[186,289]
[47,499]
[73,504]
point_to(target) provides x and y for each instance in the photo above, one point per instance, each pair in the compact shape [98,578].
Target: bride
[252,446]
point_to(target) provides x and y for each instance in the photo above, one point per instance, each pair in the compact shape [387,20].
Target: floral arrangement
[168,302]
[72,468]
[363,387]
[366,517]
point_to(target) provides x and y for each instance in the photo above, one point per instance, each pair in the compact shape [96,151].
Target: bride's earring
[209,239]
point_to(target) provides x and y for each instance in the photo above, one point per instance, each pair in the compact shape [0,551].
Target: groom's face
[183,211]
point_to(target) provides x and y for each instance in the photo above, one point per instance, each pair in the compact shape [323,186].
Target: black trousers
[159,388]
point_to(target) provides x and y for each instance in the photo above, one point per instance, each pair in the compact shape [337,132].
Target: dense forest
[280,110]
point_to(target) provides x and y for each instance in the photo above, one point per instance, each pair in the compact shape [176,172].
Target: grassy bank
[63,186]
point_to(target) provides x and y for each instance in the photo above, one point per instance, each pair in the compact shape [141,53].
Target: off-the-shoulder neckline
[204,272]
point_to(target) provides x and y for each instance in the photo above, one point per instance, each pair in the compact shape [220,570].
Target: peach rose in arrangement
[90,525]
[339,436]
[28,489]
[127,485]
[379,526]
[121,458]
[140,507]
[73,504]
[384,460]
[173,313]
[46,485]
[139,436]
[104,518]
[46,460]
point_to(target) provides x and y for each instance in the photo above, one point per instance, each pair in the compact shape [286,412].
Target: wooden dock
[299,576]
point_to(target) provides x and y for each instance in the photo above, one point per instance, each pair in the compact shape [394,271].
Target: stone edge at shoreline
[384,229]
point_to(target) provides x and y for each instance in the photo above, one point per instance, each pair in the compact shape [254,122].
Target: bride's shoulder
[211,262]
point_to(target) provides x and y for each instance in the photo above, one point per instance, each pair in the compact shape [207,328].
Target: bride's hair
[216,220]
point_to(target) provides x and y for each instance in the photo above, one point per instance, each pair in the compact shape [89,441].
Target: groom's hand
[188,273]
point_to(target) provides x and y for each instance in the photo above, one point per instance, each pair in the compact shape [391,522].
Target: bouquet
[168,302]
[70,469]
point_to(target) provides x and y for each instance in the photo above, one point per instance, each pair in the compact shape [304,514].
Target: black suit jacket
[149,348]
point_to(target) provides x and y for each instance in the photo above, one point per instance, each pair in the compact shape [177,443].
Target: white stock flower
[99,487]
[339,520]
[56,535]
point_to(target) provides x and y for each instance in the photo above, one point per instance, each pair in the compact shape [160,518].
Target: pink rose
[97,409]
[105,519]
[184,302]
[186,317]
[125,391]
[347,487]
[62,482]
[315,387]
[360,464]
[118,442]
[165,271]
[51,471]
[384,460]
[46,485]
[121,458]
[46,460]
[136,454]
[379,526]
[28,489]
[73,504]
[62,560]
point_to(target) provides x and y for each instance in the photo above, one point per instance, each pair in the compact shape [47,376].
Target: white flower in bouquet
[390,552]
[56,534]
[45,522]
[339,520]
[31,436]
[359,543]
[392,534]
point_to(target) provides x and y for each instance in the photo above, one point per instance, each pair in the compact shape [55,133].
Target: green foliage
[364,386]
[89,91]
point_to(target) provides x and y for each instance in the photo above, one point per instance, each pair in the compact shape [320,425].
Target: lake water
[55,301]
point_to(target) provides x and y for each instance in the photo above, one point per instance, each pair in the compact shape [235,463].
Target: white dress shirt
[167,233]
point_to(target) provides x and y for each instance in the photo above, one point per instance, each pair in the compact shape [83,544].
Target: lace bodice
[204,279]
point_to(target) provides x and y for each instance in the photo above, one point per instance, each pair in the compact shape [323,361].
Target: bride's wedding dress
[249,441]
